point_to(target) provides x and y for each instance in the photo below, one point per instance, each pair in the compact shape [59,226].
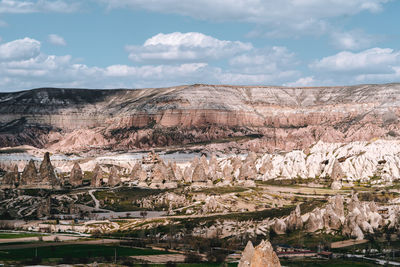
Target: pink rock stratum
[285,118]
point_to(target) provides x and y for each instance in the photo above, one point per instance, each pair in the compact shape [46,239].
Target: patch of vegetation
[301,238]
[221,190]
[122,199]
[12,150]
[295,181]
[380,196]
[75,251]
[8,235]
[189,224]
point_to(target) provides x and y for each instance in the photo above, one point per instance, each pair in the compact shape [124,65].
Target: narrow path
[96,201]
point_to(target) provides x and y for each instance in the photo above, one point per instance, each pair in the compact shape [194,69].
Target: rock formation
[286,118]
[76,176]
[247,254]
[362,218]
[295,221]
[262,255]
[199,173]
[29,175]
[11,179]
[337,176]
[97,176]
[47,175]
[114,178]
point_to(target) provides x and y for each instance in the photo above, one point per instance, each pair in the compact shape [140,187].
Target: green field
[74,251]
[121,199]
[6,235]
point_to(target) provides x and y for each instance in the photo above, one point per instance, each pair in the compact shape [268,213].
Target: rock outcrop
[295,221]
[114,178]
[279,117]
[337,176]
[262,255]
[11,179]
[29,175]
[97,176]
[76,176]
[47,175]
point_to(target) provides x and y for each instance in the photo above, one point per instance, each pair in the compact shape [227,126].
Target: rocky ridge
[278,117]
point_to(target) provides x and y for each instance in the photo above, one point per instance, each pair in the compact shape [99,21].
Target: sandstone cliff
[285,118]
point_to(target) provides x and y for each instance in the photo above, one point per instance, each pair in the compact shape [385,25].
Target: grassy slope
[17,235]
[75,251]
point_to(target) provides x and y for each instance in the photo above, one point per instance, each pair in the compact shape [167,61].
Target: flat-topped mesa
[76,176]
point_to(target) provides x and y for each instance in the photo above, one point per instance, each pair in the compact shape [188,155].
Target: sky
[160,43]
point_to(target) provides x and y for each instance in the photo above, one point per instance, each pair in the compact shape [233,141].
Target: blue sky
[158,43]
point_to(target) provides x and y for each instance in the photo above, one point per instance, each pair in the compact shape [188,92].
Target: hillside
[283,118]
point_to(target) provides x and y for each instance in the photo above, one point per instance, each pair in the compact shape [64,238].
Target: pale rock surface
[262,255]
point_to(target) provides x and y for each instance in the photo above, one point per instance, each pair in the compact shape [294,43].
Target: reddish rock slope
[286,118]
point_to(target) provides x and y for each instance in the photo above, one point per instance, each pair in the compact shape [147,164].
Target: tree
[143,213]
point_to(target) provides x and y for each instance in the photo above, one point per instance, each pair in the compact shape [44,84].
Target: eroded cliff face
[283,118]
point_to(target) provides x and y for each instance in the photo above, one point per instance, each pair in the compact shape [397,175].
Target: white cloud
[24,66]
[302,82]
[19,49]
[267,60]
[280,17]
[56,39]
[375,65]
[374,60]
[185,47]
[352,40]
[20,7]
